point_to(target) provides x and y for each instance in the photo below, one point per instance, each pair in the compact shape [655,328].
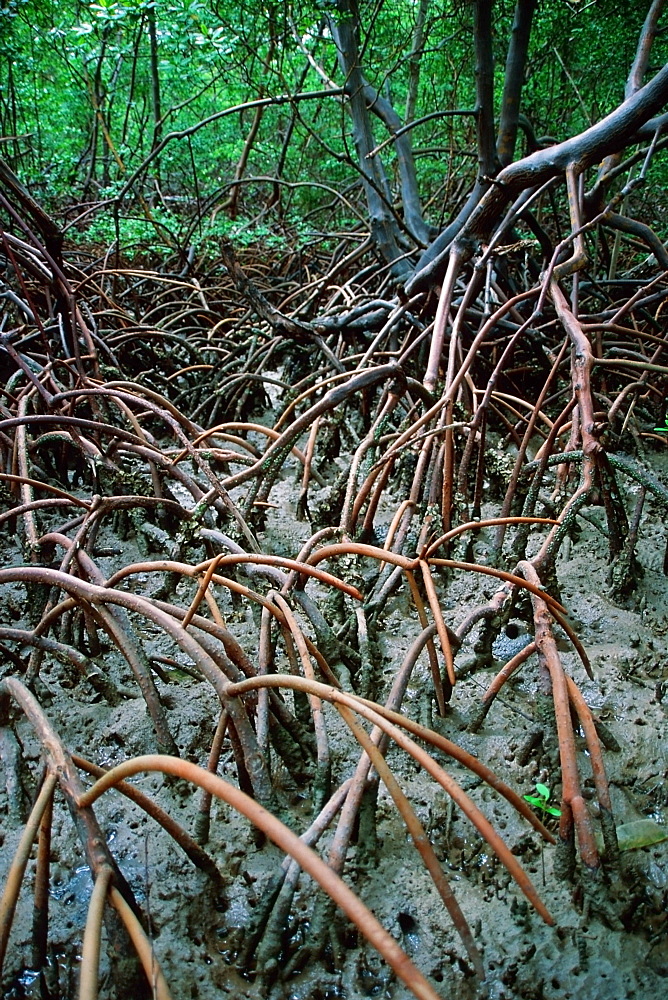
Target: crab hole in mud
[407,923]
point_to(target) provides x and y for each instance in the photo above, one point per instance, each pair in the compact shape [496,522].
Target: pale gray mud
[609,938]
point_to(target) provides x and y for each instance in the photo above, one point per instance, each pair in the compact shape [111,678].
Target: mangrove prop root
[149,407]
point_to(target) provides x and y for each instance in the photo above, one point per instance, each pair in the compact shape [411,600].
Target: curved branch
[289,842]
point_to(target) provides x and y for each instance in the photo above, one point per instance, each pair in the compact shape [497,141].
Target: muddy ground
[609,941]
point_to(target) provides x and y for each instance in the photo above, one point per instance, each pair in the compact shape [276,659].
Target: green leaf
[534,801]
[544,791]
[552,811]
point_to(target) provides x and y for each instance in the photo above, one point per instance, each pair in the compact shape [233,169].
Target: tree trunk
[514,80]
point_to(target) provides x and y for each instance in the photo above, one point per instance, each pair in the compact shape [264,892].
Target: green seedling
[662,430]
[541,799]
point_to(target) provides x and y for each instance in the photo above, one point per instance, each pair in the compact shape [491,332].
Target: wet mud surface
[609,940]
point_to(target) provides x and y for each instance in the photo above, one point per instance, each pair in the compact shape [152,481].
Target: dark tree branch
[611,135]
[645,42]
[514,80]
[362,97]
[641,232]
[484,82]
[264,102]
[407,177]
[48,229]
[638,69]
[414,60]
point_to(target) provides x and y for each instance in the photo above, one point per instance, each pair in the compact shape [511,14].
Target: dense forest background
[162,104]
